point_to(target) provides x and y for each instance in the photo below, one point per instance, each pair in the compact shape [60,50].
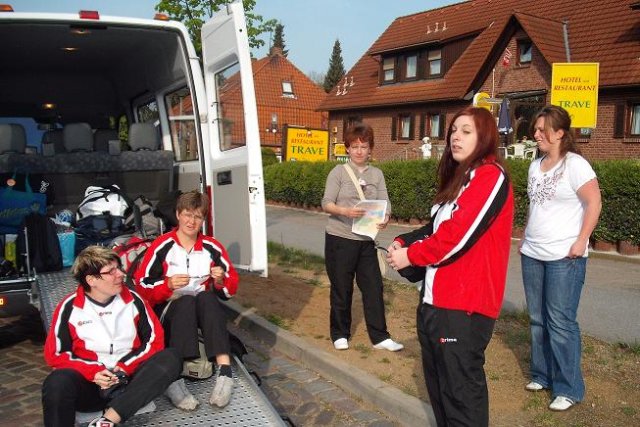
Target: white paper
[367,225]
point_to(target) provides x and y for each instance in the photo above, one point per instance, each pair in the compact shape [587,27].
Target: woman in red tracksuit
[98,333]
[466,260]
[183,275]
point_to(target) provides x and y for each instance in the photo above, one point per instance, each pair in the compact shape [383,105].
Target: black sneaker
[101,421]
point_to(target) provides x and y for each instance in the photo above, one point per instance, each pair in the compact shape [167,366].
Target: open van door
[233,161]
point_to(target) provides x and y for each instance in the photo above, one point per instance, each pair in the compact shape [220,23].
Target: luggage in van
[44,247]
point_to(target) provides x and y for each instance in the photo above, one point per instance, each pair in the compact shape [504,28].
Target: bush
[268,157]
[412,187]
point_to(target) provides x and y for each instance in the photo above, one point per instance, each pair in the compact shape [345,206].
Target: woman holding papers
[182,275]
[466,259]
[349,255]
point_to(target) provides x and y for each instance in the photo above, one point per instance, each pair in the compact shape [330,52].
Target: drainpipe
[565,32]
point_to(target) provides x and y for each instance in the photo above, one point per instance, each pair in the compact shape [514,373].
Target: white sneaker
[534,386]
[181,397]
[389,344]
[341,344]
[221,394]
[561,403]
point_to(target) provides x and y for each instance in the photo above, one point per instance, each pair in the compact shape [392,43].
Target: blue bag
[67,247]
[16,205]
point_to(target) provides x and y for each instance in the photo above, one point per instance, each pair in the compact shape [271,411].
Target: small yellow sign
[574,87]
[311,145]
[339,150]
[480,100]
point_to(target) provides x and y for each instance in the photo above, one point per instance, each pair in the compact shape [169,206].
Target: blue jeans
[552,289]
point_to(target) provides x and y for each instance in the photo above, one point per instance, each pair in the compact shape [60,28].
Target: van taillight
[89,14]
[6,8]
[161,17]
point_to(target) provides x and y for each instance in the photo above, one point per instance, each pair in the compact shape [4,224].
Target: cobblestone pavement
[298,393]
[303,396]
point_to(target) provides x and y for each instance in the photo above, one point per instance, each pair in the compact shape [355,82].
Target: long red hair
[453,175]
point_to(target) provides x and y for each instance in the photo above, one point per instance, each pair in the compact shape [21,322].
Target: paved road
[609,307]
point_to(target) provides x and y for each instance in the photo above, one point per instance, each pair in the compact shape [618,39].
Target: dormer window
[388,70]
[411,66]
[434,58]
[524,52]
[287,89]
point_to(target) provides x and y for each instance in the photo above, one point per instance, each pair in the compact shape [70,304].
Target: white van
[73,87]
[80,77]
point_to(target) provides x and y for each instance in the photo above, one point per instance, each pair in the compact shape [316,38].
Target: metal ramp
[248,407]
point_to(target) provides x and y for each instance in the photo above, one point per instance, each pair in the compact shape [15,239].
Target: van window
[148,112]
[183,125]
[230,109]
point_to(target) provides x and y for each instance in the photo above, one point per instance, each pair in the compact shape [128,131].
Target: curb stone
[406,409]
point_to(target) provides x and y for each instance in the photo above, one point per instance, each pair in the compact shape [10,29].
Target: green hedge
[412,185]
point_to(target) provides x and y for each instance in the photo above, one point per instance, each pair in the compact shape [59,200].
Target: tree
[278,38]
[193,14]
[317,78]
[336,68]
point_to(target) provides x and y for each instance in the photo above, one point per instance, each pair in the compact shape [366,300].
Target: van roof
[88,68]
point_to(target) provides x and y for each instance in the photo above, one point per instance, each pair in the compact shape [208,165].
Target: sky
[311,27]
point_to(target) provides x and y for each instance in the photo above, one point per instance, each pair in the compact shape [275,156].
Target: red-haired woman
[466,260]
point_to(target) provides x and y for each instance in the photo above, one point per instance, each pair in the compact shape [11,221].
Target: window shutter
[441,131]
[394,121]
[619,119]
[423,118]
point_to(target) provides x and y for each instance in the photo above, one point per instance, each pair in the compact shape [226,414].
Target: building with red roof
[428,65]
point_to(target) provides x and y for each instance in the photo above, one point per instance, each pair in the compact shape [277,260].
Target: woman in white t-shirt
[564,206]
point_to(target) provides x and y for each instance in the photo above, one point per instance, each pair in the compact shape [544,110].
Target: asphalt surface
[610,303]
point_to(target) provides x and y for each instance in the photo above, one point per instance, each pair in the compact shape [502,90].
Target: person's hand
[578,248]
[178,281]
[394,246]
[383,225]
[354,212]
[105,379]
[398,259]
[217,273]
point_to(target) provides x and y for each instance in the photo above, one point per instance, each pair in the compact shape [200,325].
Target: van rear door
[233,163]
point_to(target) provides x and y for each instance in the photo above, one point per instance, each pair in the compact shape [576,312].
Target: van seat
[77,137]
[143,136]
[13,138]
[101,138]
[54,137]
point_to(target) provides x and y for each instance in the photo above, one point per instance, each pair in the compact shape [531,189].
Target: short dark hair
[90,261]
[358,131]
[193,200]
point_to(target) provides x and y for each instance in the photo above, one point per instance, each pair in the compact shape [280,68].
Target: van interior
[97,103]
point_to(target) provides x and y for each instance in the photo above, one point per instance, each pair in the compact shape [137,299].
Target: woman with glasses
[102,336]
[349,255]
[564,206]
[183,275]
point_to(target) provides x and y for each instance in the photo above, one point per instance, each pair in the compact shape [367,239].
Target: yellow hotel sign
[574,87]
[310,145]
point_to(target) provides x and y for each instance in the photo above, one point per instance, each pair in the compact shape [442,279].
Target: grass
[278,321]
[297,258]
[364,349]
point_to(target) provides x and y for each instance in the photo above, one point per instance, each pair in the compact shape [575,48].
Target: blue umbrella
[504,119]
